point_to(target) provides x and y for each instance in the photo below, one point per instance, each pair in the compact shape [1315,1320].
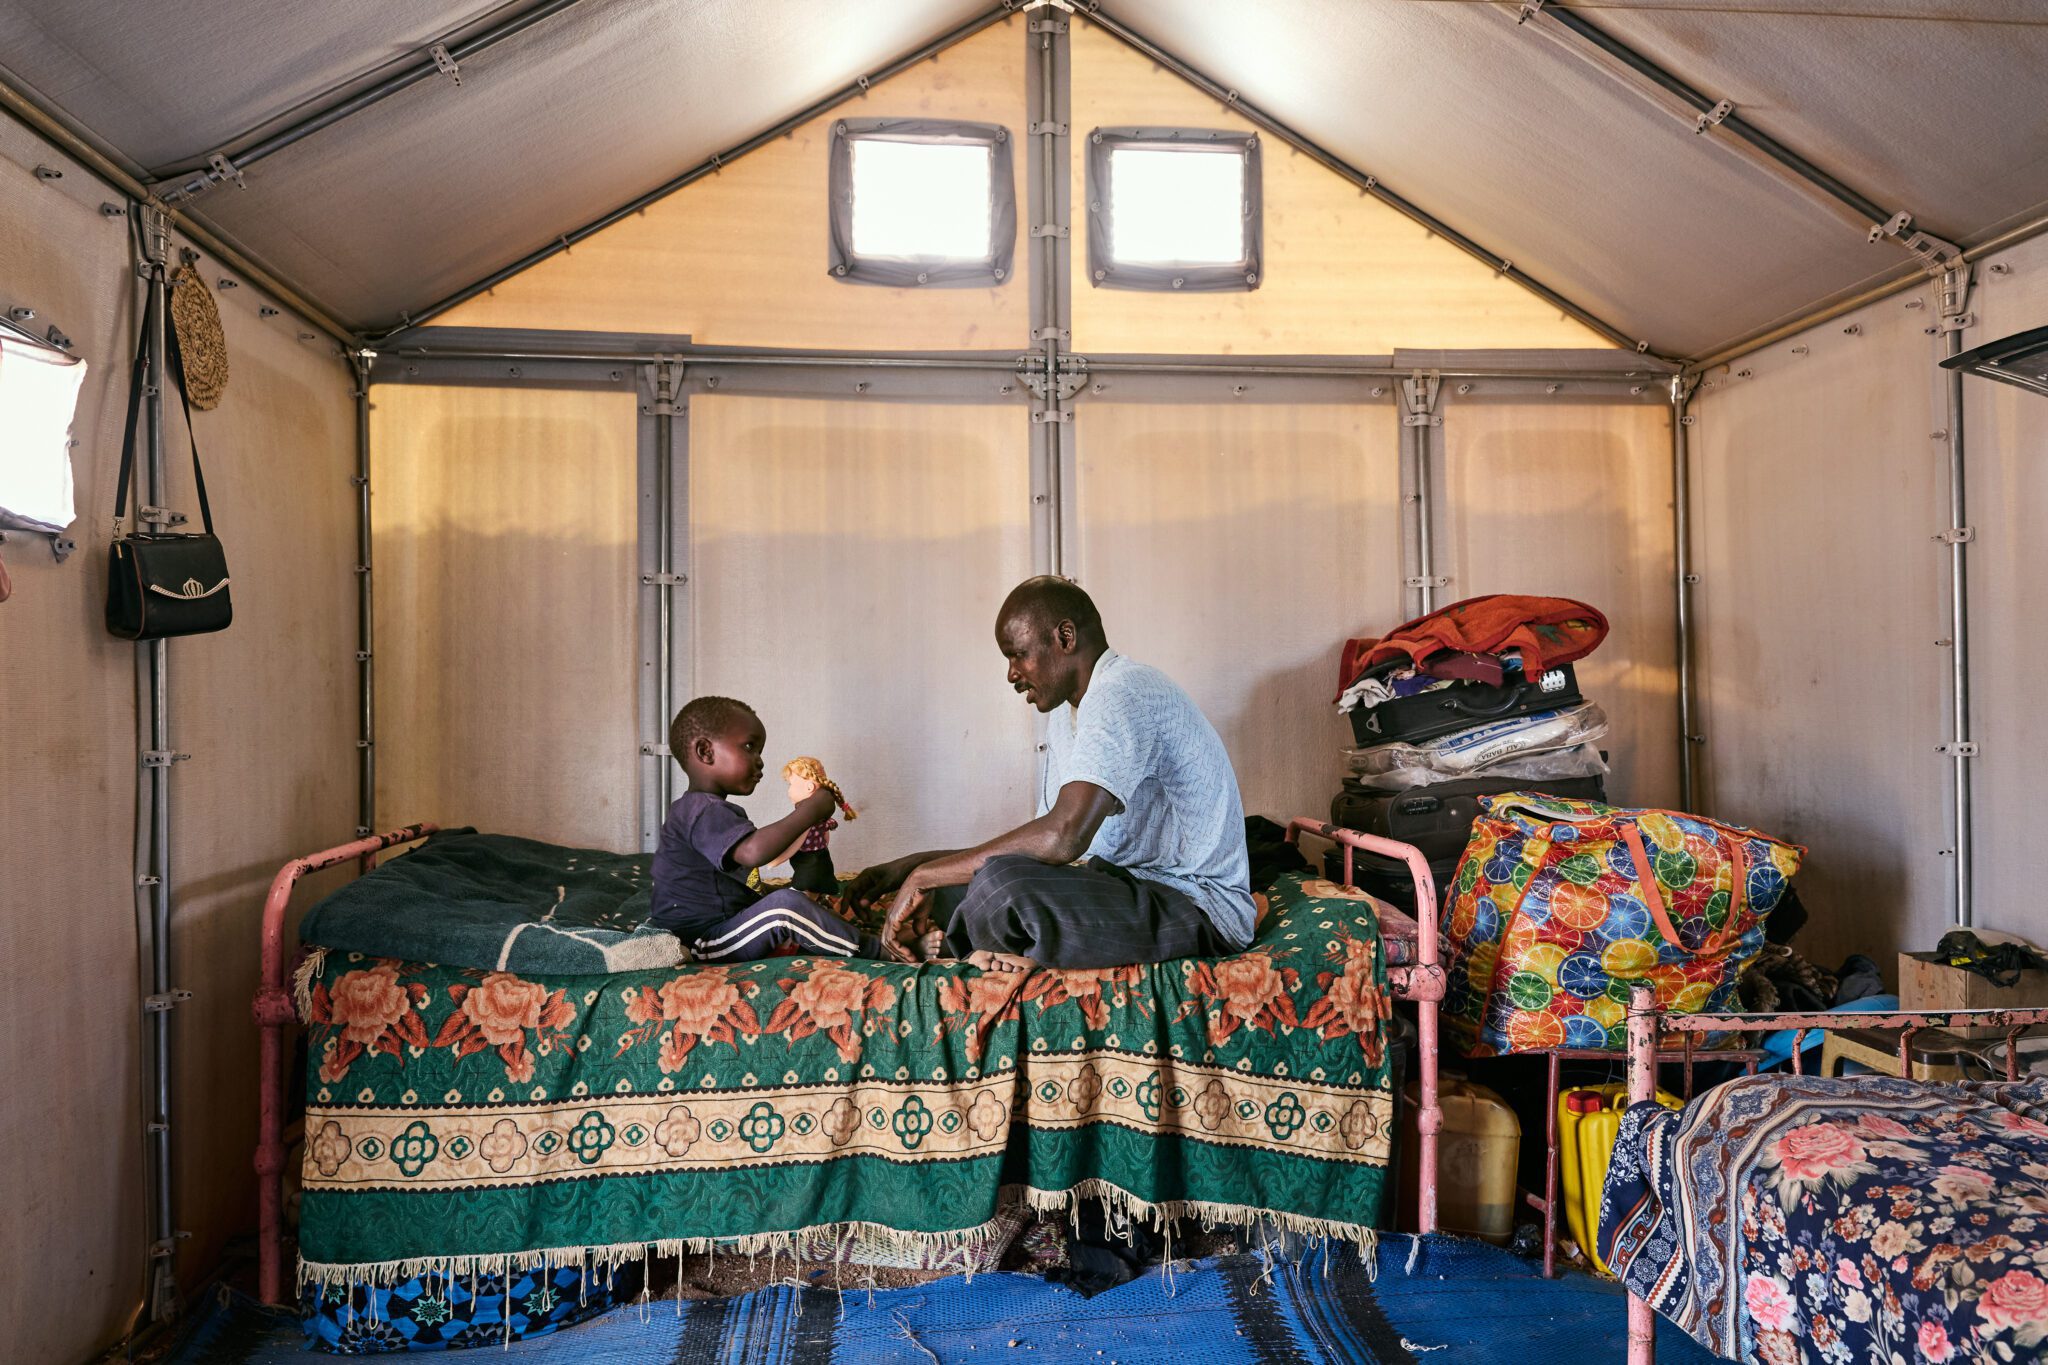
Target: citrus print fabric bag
[1560,906]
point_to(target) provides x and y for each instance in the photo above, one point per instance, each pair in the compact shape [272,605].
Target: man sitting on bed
[1135,778]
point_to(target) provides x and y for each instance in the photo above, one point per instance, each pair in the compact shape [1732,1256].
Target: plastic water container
[1588,1121]
[1477,1149]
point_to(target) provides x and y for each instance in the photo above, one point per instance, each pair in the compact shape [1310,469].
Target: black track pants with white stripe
[784,918]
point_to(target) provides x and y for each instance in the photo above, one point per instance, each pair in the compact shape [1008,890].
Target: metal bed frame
[1646,1020]
[1422,981]
[274,1013]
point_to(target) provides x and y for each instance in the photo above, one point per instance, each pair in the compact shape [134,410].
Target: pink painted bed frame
[1646,1021]
[274,1012]
[1422,982]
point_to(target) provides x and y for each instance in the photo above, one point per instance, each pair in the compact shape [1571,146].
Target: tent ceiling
[1528,145]
[1505,131]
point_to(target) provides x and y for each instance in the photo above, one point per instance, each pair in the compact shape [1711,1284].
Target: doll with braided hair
[811,860]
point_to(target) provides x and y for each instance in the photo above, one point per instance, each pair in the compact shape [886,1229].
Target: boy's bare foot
[990,961]
[932,946]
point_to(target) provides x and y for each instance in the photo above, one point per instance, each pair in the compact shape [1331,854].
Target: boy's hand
[819,805]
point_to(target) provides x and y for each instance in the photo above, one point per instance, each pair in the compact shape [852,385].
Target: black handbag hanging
[160,583]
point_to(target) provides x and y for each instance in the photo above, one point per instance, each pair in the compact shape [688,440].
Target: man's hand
[873,883]
[904,913]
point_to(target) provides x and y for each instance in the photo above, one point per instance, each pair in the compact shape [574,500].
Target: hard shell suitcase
[1428,715]
[1438,818]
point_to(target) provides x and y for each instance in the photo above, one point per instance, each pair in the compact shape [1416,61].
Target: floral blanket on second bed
[1781,1219]
[461,1120]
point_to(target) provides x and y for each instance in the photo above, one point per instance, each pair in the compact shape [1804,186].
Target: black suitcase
[1437,819]
[1389,880]
[1430,715]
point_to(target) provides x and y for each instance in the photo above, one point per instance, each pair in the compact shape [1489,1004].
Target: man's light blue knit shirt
[1140,738]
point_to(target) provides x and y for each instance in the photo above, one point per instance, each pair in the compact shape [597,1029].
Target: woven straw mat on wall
[200,341]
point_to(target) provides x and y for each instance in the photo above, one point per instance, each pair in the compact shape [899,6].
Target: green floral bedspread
[463,1119]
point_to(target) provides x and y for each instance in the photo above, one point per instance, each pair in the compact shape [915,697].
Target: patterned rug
[1441,1300]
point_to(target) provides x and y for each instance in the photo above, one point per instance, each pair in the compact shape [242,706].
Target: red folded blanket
[1547,630]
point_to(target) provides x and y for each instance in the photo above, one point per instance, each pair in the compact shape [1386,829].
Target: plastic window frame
[1105,272]
[33,350]
[989,271]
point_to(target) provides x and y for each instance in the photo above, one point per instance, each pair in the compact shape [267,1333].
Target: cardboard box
[1925,985]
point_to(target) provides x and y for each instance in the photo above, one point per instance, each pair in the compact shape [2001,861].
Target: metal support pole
[1683,579]
[1049,275]
[161,1297]
[664,559]
[1420,418]
[1049,203]
[366,680]
[1960,748]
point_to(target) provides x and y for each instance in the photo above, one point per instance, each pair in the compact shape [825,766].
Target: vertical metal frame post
[1049,201]
[153,871]
[366,681]
[664,501]
[1955,295]
[1419,419]
[1683,578]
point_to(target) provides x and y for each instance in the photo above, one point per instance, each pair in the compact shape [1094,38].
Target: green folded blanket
[497,903]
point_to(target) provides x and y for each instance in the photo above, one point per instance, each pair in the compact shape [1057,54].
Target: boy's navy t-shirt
[695,886]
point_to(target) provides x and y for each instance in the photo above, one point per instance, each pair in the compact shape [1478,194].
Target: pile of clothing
[1473,700]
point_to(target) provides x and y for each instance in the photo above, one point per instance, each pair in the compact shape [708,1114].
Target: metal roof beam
[441,58]
[1719,116]
[1329,160]
[716,162]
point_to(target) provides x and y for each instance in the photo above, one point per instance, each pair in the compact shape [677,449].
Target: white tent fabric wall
[1823,602]
[505,551]
[2007,435]
[1574,500]
[846,560]
[1235,548]
[264,710]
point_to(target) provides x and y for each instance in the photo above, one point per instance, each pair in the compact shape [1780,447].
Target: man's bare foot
[990,961]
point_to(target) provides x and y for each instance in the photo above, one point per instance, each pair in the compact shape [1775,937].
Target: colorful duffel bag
[1561,906]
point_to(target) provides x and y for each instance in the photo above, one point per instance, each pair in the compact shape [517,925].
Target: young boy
[708,845]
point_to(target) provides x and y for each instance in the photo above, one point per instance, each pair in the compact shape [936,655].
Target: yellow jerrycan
[1476,1153]
[1588,1121]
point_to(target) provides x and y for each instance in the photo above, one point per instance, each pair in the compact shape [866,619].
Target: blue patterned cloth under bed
[437,1312]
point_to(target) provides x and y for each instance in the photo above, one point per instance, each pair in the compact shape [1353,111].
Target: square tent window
[39,388]
[921,202]
[1173,209]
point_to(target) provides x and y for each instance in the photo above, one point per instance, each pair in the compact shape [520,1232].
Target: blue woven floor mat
[1435,1301]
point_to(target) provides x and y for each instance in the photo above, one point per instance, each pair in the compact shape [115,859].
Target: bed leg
[1429,1118]
[273,1011]
[1642,1085]
[1550,1159]
[1642,1333]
